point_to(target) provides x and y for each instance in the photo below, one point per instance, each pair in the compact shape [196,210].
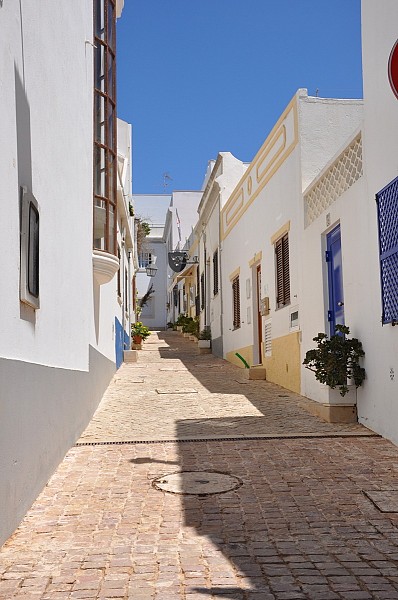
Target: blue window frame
[387,213]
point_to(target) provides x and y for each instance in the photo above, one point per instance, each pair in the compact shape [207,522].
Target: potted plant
[139,332]
[204,340]
[335,361]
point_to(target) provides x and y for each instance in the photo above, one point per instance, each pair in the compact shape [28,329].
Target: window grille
[215,273]
[282,271]
[387,212]
[268,338]
[236,302]
[340,176]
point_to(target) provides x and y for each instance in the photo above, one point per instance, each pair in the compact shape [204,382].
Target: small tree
[336,360]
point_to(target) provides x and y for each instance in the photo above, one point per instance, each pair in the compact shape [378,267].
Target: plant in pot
[335,360]
[139,332]
[204,340]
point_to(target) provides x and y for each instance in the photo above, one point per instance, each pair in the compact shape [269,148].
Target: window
[144,259]
[282,272]
[236,302]
[215,273]
[105,152]
[119,287]
[268,338]
[387,212]
[29,249]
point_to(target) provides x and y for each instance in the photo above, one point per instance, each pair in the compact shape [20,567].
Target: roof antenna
[166,180]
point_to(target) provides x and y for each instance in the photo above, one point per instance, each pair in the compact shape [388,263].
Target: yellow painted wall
[284,366]
[247,354]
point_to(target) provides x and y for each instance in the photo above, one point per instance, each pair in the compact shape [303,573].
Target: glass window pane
[112,173]
[111,246]
[111,25]
[111,127]
[99,224]
[100,171]
[99,25]
[33,252]
[99,67]
[99,118]
[111,74]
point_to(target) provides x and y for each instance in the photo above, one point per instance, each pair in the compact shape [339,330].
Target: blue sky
[196,77]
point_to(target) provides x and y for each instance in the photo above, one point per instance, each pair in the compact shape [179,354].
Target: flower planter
[204,343]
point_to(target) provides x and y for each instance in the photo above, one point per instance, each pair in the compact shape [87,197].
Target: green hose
[242,359]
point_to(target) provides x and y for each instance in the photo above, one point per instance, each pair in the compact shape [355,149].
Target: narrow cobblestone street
[299,524]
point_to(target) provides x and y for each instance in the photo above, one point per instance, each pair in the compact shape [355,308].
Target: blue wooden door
[335,279]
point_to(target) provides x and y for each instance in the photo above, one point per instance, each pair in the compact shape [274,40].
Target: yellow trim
[281,231]
[234,274]
[237,198]
[281,132]
[256,258]
[278,128]
[249,185]
[247,354]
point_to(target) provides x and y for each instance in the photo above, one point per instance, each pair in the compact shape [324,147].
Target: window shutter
[202,290]
[215,273]
[387,212]
[236,302]
[282,272]
[286,272]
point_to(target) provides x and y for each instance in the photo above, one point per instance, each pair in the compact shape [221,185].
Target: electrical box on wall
[264,306]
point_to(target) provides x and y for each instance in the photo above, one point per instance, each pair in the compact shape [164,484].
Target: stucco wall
[43,412]
[377,402]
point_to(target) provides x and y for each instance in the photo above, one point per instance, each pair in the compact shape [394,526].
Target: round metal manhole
[199,483]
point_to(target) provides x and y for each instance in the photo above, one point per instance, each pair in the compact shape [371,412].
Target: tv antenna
[166,180]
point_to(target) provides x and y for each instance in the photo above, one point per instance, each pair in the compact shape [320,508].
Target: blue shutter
[387,212]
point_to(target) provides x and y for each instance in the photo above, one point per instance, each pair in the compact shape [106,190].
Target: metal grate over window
[236,302]
[387,212]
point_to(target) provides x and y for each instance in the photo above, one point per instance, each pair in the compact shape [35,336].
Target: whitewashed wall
[53,370]
[377,402]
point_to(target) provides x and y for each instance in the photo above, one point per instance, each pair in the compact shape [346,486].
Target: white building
[58,294]
[261,236]
[360,287]
[152,209]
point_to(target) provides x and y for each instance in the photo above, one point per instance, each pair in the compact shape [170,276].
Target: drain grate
[197,483]
[237,438]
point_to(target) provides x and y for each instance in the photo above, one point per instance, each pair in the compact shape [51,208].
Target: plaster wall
[377,401]
[154,314]
[44,411]
[48,149]
[325,125]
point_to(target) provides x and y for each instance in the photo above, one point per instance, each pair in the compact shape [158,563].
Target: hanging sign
[393,69]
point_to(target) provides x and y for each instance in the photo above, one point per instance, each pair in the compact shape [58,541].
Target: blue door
[335,279]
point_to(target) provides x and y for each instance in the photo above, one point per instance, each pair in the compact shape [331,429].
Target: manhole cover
[202,483]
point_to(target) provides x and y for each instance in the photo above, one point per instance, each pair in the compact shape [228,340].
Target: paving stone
[299,526]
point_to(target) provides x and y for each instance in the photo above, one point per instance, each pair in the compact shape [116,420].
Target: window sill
[105,266]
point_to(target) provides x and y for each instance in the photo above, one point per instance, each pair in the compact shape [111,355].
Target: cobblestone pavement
[215,400]
[298,527]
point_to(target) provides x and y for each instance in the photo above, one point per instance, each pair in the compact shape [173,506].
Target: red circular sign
[393,69]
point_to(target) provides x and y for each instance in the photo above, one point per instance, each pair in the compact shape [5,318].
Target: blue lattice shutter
[387,212]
